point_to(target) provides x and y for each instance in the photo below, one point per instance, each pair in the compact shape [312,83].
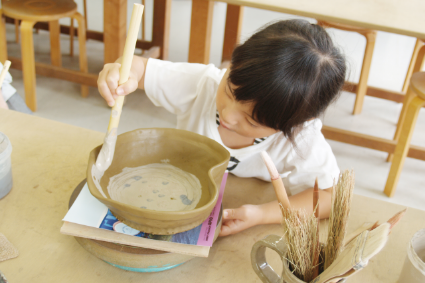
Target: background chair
[28,12]
[414,101]
[370,36]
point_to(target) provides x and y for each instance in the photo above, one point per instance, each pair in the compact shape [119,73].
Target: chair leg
[200,36]
[403,144]
[420,56]
[232,30]
[415,64]
[71,38]
[55,46]
[364,75]
[16,31]
[85,14]
[28,65]
[161,26]
[82,49]
[3,42]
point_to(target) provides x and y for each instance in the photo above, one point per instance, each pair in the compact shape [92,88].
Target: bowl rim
[152,213]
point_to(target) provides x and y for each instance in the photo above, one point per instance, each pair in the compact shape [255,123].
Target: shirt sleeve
[311,158]
[174,86]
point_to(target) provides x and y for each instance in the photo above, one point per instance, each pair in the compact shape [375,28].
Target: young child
[279,81]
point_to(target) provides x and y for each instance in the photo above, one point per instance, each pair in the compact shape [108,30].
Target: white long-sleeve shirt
[189,91]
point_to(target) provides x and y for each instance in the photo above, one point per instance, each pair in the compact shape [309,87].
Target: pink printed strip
[206,235]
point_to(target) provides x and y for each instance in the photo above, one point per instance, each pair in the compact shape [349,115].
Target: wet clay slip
[156,186]
[161,157]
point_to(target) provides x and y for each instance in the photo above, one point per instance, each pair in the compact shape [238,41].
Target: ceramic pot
[198,155]
[414,265]
[265,271]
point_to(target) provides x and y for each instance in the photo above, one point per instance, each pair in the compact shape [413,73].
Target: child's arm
[107,82]
[246,216]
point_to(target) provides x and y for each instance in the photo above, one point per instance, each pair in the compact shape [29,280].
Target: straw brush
[338,219]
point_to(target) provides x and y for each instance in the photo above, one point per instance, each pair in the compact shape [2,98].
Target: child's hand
[236,220]
[107,83]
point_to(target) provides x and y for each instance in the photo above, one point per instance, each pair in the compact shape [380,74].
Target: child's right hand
[107,83]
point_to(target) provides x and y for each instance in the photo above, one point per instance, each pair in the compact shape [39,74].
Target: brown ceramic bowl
[190,152]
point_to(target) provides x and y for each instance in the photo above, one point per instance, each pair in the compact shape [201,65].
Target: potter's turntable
[133,258]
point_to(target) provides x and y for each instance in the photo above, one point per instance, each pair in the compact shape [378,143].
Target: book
[89,218]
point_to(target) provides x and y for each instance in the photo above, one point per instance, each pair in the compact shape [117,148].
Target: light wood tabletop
[49,160]
[394,16]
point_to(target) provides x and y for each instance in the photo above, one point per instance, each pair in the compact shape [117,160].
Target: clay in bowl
[161,181]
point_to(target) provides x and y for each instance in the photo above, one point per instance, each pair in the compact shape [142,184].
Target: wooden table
[49,159]
[397,16]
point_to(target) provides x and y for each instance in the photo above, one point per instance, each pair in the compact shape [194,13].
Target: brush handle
[316,214]
[280,192]
[106,154]
[3,73]
[277,182]
[127,59]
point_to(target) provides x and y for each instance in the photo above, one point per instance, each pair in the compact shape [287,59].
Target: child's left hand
[236,220]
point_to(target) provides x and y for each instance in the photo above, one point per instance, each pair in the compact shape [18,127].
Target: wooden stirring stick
[277,182]
[106,154]
[3,73]
[316,214]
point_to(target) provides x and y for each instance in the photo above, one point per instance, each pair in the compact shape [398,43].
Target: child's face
[236,116]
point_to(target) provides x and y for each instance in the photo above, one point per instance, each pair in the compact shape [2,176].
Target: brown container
[193,153]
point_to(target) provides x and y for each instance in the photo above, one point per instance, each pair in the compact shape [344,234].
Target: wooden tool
[356,254]
[316,214]
[371,226]
[106,154]
[3,73]
[277,182]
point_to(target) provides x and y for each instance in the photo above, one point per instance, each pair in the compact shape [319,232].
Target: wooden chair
[72,29]
[408,117]
[370,36]
[414,101]
[29,12]
[162,43]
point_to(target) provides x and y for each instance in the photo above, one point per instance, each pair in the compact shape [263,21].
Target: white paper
[86,210]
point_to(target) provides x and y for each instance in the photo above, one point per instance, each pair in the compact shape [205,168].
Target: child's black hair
[290,70]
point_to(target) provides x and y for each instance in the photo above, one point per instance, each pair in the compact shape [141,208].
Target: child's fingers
[232,214]
[225,231]
[105,93]
[103,88]
[127,87]
[112,77]
[232,226]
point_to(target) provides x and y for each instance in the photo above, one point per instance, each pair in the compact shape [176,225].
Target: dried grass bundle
[300,234]
[338,219]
